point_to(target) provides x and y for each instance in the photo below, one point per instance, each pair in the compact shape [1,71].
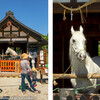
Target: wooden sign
[42,58]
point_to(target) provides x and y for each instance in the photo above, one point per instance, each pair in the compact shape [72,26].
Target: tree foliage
[45,46]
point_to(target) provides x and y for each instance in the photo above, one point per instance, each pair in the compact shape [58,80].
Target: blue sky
[32,13]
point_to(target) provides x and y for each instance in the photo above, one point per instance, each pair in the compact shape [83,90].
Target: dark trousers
[23,81]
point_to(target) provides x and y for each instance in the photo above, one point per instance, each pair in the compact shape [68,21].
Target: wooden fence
[56,96]
[10,66]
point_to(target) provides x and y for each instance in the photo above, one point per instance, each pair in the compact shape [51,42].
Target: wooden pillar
[92,47]
[27,45]
[2,33]
[10,33]
[95,47]
[89,46]
[62,54]
[63,59]
[18,31]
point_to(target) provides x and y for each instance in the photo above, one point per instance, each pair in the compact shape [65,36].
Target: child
[34,76]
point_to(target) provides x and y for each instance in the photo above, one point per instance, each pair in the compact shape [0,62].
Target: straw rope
[54,79]
[64,15]
[77,9]
[86,11]
[80,7]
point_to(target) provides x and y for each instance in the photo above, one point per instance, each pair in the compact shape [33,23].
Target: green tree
[45,46]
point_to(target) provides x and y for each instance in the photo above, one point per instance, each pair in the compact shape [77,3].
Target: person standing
[24,73]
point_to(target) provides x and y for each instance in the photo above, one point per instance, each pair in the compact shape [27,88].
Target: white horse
[82,63]
[11,51]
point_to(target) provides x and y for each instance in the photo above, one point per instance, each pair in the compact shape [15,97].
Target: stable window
[98,48]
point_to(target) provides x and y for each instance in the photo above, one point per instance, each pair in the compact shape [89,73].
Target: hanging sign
[42,58]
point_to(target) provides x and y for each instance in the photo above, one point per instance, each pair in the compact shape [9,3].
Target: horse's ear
[81,29]
[72,30]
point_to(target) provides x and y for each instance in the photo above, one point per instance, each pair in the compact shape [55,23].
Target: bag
[30,73]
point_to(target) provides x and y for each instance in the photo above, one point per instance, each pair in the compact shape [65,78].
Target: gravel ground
[10,89]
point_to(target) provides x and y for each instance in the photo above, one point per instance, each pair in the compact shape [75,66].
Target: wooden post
[11,33]
[63,59]
[2,32]
[41,77]
[27,49]
[19,32]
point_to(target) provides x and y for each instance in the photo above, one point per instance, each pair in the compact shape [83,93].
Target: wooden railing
[70,76]
[57,96]
[10,66]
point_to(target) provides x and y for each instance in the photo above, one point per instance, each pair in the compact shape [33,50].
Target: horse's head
[7,51]
[77,43]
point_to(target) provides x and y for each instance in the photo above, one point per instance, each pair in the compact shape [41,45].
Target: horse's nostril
[81,55]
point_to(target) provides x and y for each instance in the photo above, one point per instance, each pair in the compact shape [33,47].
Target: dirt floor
[10,89]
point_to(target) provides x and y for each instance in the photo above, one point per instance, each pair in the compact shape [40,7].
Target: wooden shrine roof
[10,17]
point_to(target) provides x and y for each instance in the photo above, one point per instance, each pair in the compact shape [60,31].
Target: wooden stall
[42,64]
[88,17]
[15,34]
[18,36]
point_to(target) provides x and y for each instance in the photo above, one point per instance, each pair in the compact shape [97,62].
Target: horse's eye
[73,41]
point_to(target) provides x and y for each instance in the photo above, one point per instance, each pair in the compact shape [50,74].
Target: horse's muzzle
[82,56]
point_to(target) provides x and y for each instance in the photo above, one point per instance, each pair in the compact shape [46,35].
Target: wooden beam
[72,76]
[7,74]
[16,41]
[13,37]
[10,31]
[73,2]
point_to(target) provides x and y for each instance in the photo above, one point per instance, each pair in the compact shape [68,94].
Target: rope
[83,88]
[64,16]
[80,7]
[56,89]
[82,20]
[76,9]
[54,82]
[62,74]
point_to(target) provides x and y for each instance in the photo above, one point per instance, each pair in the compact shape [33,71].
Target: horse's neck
[83,67]
[13,52]
[78,66]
